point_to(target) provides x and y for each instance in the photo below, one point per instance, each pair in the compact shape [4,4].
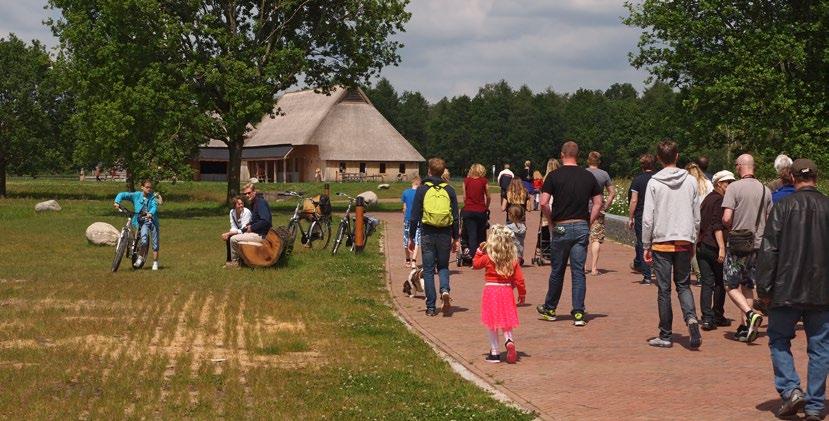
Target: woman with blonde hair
[475,207]
[516,196]
[552,165]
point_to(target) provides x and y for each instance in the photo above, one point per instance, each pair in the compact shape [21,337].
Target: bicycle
[129,243]
[314,229]
[345,231]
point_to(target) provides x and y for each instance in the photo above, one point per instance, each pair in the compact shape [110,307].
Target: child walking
[519,229]
[538,183]
[502,273]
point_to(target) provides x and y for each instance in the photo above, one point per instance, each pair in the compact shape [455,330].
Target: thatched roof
[344,125]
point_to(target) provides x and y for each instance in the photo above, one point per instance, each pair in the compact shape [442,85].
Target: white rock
[102,234]
[383,186]
[49,205]
[369,197]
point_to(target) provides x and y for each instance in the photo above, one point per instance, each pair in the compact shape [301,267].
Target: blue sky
[452,47]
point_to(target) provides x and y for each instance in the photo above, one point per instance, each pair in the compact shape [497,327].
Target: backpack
[437,208]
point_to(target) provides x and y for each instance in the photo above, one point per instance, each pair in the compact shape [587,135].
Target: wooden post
[326,189]
[359,225]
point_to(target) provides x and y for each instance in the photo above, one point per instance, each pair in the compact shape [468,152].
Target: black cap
[804,167]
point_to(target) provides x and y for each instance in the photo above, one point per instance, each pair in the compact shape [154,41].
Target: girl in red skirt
[498,257]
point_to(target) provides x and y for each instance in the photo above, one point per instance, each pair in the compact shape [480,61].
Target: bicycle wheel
[120,249]
[339,238]
[319,235]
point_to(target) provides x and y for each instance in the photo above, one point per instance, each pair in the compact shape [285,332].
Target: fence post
[359,225]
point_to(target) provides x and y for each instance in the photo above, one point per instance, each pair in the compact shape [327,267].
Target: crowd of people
[738,237]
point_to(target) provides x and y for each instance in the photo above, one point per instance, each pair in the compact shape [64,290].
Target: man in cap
[711,254]
[793,284]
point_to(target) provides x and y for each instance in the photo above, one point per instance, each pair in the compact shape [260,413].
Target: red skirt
[498,307]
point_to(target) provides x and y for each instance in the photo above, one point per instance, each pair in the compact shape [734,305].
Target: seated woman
[239,218]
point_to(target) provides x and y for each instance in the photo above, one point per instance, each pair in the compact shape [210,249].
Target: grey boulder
[369,197]
[49,205]
[102,234]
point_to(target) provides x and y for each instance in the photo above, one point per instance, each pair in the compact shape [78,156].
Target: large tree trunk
[234,166]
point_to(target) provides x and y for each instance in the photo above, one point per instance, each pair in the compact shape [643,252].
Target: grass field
[315,338]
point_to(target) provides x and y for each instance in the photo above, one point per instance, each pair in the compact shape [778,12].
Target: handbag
[741,242]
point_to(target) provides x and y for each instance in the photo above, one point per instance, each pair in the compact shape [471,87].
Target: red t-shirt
[474,194]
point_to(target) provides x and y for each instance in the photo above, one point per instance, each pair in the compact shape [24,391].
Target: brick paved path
[604,370]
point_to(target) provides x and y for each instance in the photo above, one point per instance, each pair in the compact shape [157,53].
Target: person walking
[793,285]
[518,227]
[704,186]
[475,207]
[636,195]
[711,254]
[497,256]
[435,208]
[702,162]
[516,197]
[572,186]
[670,223]
[538,183]
[597,228]
[745,206]
[407,198]
[504,179]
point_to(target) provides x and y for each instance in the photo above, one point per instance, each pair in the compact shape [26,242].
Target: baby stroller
[541,256]
[466,253]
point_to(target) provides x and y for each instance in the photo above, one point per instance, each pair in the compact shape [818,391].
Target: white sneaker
[155,265]
[138,262]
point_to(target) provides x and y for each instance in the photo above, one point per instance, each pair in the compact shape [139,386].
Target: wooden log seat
[276,246]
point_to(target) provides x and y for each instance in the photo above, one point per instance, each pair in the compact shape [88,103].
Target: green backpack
[437,208]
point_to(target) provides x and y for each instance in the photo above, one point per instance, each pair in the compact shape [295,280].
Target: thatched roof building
[341,134]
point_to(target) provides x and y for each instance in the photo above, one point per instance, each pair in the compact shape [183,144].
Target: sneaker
[512,355]
[578,319]
[693,331]
[646,282]
[447,300]
[792,405]
[546,314]
[155,265]
[660,343]
[723,322]
[742,333]
[232,265]
[754,320]
[138,262]
[635,269]
[431,312]
[493,358]
[708,325]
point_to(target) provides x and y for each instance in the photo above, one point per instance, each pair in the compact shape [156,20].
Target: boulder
[369,197]
[102,234]
[49,205]
[383,186]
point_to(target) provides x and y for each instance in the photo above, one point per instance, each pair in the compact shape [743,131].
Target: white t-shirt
[236,226]
[506,171]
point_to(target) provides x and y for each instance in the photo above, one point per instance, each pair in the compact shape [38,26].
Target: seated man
[256,229]
[239,219]
[145,218]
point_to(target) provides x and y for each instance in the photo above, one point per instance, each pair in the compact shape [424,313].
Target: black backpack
[325,205]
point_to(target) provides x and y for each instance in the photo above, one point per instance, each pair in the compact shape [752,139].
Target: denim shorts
[406,234]
[739,270]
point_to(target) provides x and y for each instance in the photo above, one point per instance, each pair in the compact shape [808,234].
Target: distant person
[781,163]
[519,229]
[745,206]
[497,256]
[145,217]
[256,229]
[98,172]
[703,162]
[317,175]
[670,224]
[704,187]
[563,198]
[527,174]
[446,177]
[239,218]
[407,198]
[636,195]
[538,183]
[475,207]
[597,228]
[504,179]
[711,254]
[435,209]
[516,196]
[793,285]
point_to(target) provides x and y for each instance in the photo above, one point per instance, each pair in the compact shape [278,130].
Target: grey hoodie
[670,212]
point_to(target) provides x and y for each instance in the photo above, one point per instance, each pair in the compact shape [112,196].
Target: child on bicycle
[145,218]
[502,273]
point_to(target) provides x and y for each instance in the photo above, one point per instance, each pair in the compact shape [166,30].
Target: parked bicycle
[314,229]
[129,243]
[345,231]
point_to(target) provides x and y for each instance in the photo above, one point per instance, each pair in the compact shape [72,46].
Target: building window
[362,167]
[402,169]
[342,166]
[383,168]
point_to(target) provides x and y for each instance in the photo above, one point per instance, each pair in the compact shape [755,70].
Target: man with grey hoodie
[670,223]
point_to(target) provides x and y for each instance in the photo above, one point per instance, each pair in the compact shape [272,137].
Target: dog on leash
[414,282]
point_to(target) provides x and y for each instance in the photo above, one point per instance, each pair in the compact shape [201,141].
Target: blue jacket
[782,192]
[260,218]
[138,201]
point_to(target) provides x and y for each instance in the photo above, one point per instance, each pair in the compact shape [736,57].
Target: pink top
[482,261]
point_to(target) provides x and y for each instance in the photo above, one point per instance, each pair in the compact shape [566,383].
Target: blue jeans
[149,230]
[572,245]
[435,249]
[639,259]
[782,322]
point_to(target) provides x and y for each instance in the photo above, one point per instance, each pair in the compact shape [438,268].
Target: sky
[453,47]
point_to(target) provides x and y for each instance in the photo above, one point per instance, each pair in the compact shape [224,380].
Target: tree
[24,120]
[752,72]
[385,99]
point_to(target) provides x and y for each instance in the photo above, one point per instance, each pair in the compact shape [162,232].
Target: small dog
[414,281]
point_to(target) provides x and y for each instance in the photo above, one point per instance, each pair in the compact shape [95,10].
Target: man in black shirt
[636,196]
[571,186]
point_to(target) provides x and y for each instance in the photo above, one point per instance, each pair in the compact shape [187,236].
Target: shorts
[739,270]
[597,231]
[406,234]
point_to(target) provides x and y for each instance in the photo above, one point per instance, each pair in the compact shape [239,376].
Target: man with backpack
[435,208]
